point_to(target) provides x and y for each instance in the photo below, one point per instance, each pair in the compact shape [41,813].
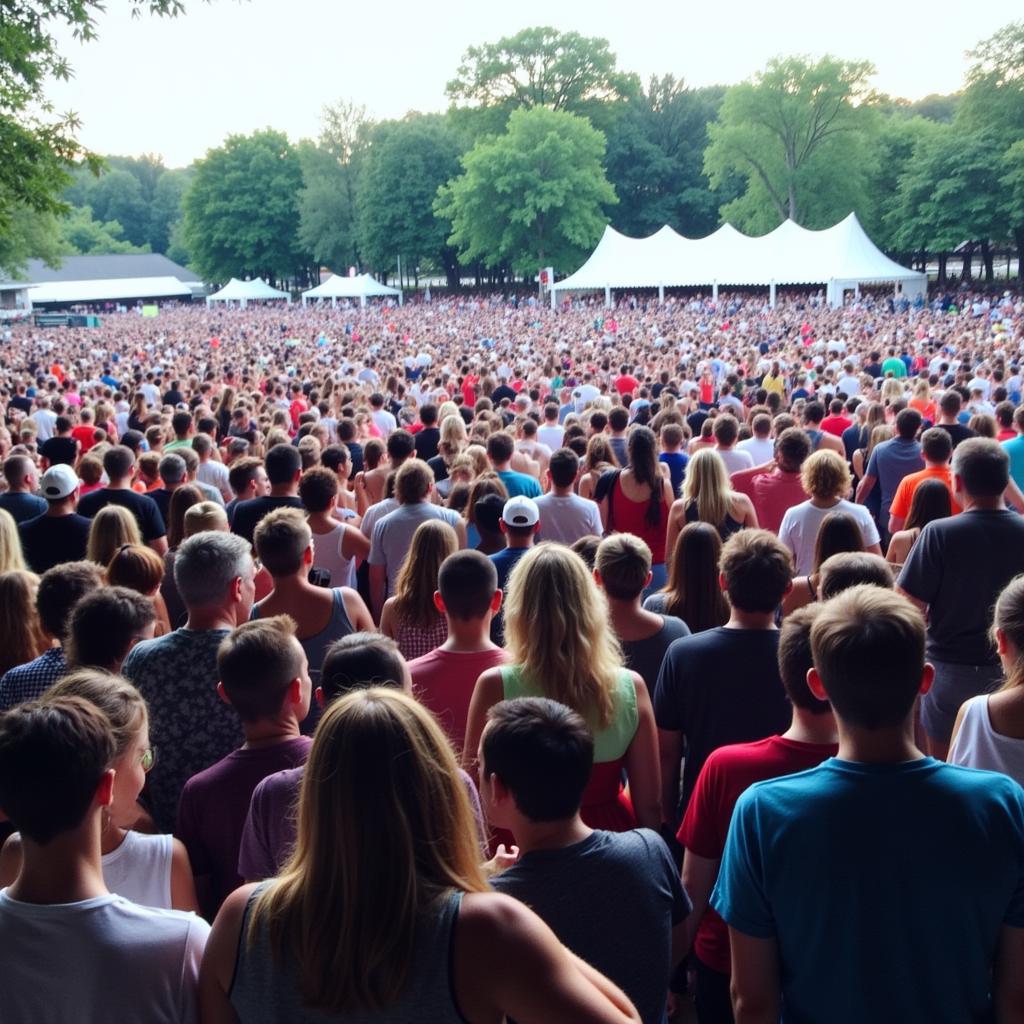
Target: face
[261,483]
[248,591]
[129,778]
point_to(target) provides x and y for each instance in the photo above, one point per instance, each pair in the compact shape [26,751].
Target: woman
[112,528]
[989,729]
[931,501]
[637,500]
[183,500]
[11,557]
[138,418]
[452,443]
[225,408]
[141,569]
[488,543]
[561,646]
[21,635]
[410,616]
[382,777]
[923,402]
[708,498]
[339,548]
[875,417]
[152,870]
[705,439]
[599,459]
[838,533]
[693,593]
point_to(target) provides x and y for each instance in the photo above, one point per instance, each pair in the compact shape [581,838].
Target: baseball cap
[520,511]
[58,482]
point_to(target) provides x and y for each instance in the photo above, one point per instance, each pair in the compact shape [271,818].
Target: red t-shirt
[469,383]
[772,492]
[835,425]
[85,435]
[726,774]
[626,384]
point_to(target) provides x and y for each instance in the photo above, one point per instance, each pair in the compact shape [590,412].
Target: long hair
[556,628]
[11,556]
[384,829]
[453,438]
[693,591]
[112,527]
[599,454]
[930,501]
[642,447]
[1009,617]
[431,544]
[837,534]
[181,501]
[21,635]
[707,485]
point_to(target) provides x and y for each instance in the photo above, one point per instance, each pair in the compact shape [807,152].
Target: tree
[1012,182]
[994,97]
[166,210]
[83,234]
[533,196]
[797,136]
[241,210]
[117,196]
[406,165]
[30,234]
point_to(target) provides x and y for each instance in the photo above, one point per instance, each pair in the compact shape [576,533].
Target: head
[137,567]
[20,473]
[203,516]
[795,660]
[756,571]
[173,470]
[563,468]
[118,463]
[106,625]
[248,479]
[433,542]
[931,501]
[112,527]
[284,542]
[852,568]
[825,476]
[215,572]
[361,660]
[936,446]
[707,484]
[467,586]
[726,431]
[184,498]
[20,628]
[981,469]
[500,447]
[694,594]
[413,482]
[623,567]
[1008,631]
[283,464]
[11,556]
[60,589]
[838,532]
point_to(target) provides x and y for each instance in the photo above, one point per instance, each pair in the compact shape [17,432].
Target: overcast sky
[177,88]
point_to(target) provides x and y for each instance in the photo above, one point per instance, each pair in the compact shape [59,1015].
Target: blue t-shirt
[676,462]
[504,561]
[890,462]
[885,886]
[1015,449]
[519,483]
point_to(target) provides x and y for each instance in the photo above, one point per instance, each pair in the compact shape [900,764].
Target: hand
[501,861]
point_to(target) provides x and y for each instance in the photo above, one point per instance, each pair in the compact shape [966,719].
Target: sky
[178,87]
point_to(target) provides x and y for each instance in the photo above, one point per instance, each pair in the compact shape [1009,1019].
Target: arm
[675,518]
[921,606]
[378,587]
[670,747]
[699,877]
[749,515]
[159,545]
[218,966]
[1008,976]
[755,979]
[489,690]
[358,614]
[354,544]
[896,523]
[864,488]
[183,889]
[956,725]
[1013,495]
[642,767]
[460,532]
[387,624]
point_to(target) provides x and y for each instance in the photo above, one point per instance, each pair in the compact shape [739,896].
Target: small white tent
[244,292]
[362,287]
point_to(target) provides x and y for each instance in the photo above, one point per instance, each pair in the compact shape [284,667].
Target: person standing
[565,517]
[889,463]
[20,499]
[60,534]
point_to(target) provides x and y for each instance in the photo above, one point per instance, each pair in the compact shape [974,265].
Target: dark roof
[103,268]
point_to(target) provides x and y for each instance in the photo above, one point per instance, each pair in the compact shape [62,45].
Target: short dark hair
[317,487]
[334,456]
[936,444]
[428,414]
[543,752]
[950,402]
[564,466]
[242,473]
[795,659]
[500,447]
[282,462]
[400,445]
[793,447]
[726,429]
[814,412]
[256,662]
[360,660]
[181,423]
[52,757]
[467,581]
[908,423]
[851,569]
[983,466]
[118,461]
[104,625]
[618,418]
[757,568]
[60,589]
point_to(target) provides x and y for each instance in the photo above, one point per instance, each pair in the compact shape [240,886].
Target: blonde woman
[452,443]
[11,556]
[599,459]
[892,391]
[21,634]
[349,933]
[561,646]
[923,401]
[112,527]
[708,498]
[410,617]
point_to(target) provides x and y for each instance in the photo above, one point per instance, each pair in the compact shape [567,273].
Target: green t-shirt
[895,366]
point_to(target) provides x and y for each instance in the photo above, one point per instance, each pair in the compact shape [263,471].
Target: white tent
[338,287]
[119,289]
[244,292]
[842,257]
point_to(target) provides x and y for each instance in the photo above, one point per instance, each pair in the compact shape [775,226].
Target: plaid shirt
[31,680]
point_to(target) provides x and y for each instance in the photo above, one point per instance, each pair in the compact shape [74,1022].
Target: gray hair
[206,564]
[172,469]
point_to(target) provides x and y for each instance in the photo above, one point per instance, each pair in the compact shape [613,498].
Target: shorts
[953,685]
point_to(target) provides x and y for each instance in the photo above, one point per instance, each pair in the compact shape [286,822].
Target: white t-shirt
[98,961]
[46,424]
[736,459]
[567,518]
[384,420]
[551,436]
[800,525]
[760,449]
[849,385]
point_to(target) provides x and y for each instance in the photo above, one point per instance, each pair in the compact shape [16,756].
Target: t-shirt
[645,656]
[717,687]
[957,431]
[613,900]
[85,436]
[552,436]
[725,775]
[773,492]
[59,451]
[760,449]
[504,561]
[1015,449]
[735,459]
[890,462]
[908,485]
[213,809]
[800,525]
[392,534]
[426,442]
[567,518]
[248,513]
[677,463]
[177,674]
[22,507]
[835,424]
[443,682]
[895,366]
[143,507]
[99,960]
[958,567]
[884,885]
[47,541]
[519,483]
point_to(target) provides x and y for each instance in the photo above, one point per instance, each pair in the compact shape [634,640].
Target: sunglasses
[147,758]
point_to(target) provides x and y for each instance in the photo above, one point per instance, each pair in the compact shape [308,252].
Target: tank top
[726,528]
[327,555]
[415,641]
[978,745]
[629,516]
[815,436]
[140,869]
[265,990]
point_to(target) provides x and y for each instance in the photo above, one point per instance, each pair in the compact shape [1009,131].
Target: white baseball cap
[58,482]
[520,511]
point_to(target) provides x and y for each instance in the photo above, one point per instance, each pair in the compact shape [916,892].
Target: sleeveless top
[327,555]
[415,641]
[628,516]
[978,745]
[265,990]
[140,869]
[815,436]
[726,528]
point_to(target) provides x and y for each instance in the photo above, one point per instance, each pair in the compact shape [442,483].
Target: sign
[150,311]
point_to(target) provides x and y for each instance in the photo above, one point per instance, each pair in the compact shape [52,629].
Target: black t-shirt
[695,421]
[426,442]
[22,507]
[502,391]
[144,508]
[21,402]
[173,397]
[355,454]
[439,468]
[957,431]
[59,451]
[162,498]
[873,370]
[249,513]
[50,540]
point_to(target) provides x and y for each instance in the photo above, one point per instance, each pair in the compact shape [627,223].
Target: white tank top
[327,555]
[978,745]
[140,869]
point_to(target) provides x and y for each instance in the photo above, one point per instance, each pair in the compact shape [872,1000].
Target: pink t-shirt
[772,493]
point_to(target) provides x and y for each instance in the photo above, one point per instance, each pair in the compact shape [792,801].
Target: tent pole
[661,295]
[714,291]
[771,295]
[607,296]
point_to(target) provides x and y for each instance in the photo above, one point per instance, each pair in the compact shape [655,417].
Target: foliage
[533,196]
[84,234]
[29,234]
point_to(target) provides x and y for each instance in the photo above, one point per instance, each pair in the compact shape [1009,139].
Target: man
[810,738]
[177,673]
[60,589]
[443,680]
[670,441]
[427,437]
[119,465]
[565,517]
[830,876]
[73,950]
[626,383]
[727,432]
[950,405]
[588,885]
[618,421]
[20,499]
[956,570]
[61,448]
[45,417]
[247,479]
[776,487]
[520,521]
[384,421]
[85,432]
[500,448]
[264,677]
[722,686]
[937,449]
[183,427]
[211,472]
[835,422]
[759,447]
[814,413]
[283,468]
[849,382]
[551,432]
[890,462]
[392,535]
[894,366]
[1014,448]
[59,534]
[173,473]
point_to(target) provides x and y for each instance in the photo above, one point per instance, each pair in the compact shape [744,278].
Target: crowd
[472,660]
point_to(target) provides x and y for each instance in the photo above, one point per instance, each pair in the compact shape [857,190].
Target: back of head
[825,475]
[1009,620]
[838,532]
[908,423]
[257,662]
[318,488]
[467,582]
[16,469]
[564,467]
[868,646]
[413,482]
[500,447]
[283,463]
[111,527]
[851,569]
[120,702]
[796,660]
[542,752]
[982,466]
[758,570]
[400,445]
[586,548]
[937,445]
[281,540]
[624,564]
[433,541]
[60,589]
[203,516]
[106,624]
[726,430]
[206,566]
[360,660]
[137,567]
[118,461]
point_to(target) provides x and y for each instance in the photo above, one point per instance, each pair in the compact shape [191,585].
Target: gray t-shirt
[890,462]
[646,656]
[613,899]
[565,518]
[392,535]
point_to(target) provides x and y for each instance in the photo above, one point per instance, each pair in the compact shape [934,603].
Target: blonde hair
[112,527]
[384,830]
[431,544]
[881,432]
[121,703]
[1009,617]
[204,516]
[707,485]
[892,391]
[556,628]
[825,475]
[453,437]
[11,556]
[21,634]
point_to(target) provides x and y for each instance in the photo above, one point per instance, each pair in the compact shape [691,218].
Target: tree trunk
[965,273]
[791,203]
[942,267]
[1018,238]
[986,257]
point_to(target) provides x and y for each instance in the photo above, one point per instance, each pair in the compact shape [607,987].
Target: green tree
[83,234]
[798,136]
[533,196]
[994,97]
[117,196]
[165,208]
[241,210]
[1012,182]
[28,235]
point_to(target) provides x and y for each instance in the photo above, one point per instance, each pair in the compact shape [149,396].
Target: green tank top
[609,744]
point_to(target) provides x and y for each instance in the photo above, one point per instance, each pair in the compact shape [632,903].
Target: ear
[439,602]
[722,585]
[320,699]
[294,693]
[647,581]
[307,555]
[223,693]
[236,589]
[927,677]
[815,685]
[1002,644]
[105,788]
[502,527]
[496,601]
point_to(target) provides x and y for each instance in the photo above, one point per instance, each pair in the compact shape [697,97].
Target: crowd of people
[473,661]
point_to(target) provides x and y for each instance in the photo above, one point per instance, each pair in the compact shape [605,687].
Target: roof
[106,268]
[340,287]
[109,290]
[246,290]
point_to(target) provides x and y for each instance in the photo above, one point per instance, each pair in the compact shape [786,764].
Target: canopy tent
[361,287]
[113,290]
[842,257]
[244,292]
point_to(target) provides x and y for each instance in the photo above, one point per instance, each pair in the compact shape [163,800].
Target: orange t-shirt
[909,484]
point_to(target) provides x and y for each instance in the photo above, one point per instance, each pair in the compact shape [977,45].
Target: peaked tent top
[338,286]
[243,291]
